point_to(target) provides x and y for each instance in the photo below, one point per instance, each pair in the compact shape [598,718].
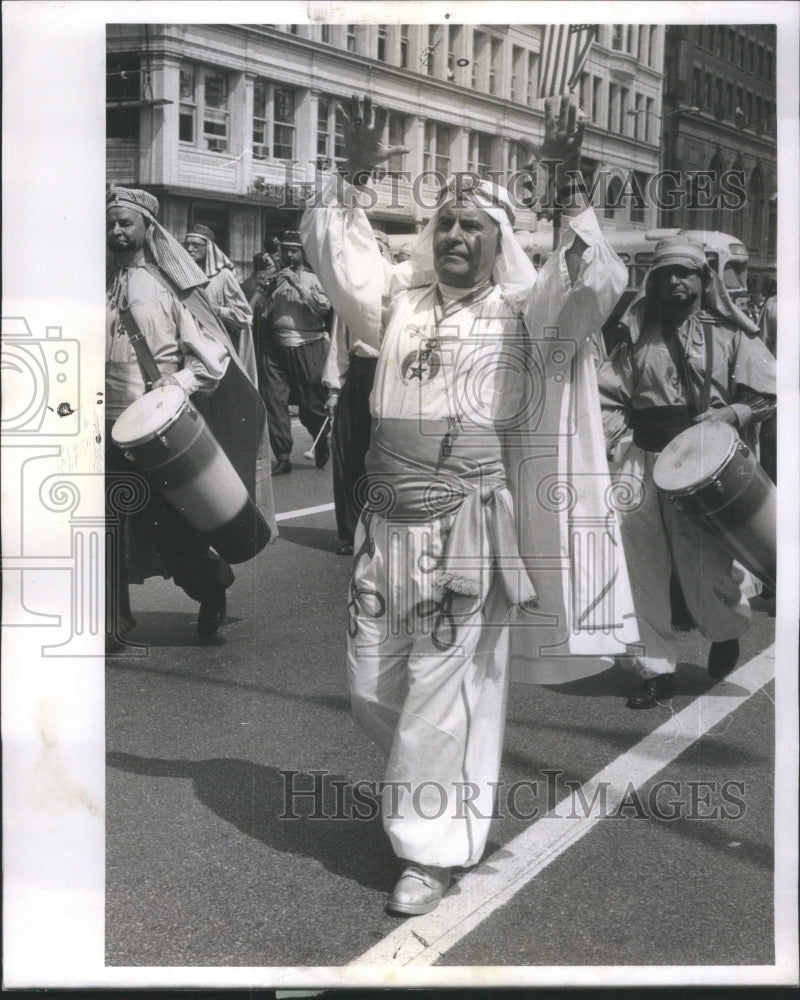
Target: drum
[170,443]
[710,473]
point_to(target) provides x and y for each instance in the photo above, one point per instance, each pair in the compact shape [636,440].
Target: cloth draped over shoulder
[553,455]
[234,411]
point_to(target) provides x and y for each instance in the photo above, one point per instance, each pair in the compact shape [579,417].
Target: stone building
[234,125]
[719,117]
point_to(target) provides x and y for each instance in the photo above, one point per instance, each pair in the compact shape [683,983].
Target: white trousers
[428,676]
[660,540]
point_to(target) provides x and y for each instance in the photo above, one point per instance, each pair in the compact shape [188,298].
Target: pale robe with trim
[555,465]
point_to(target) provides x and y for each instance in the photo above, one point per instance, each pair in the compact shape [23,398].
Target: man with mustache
[155,297]
[479,362]
[690,356]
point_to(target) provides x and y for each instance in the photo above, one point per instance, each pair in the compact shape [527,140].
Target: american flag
[564,51]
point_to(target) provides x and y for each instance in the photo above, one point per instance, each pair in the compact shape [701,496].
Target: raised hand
[363,138]
[563,137]
[563,131]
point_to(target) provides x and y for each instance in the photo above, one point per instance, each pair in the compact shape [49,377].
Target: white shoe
[419,889]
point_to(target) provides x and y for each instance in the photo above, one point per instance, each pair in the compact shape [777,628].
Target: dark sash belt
[655,426]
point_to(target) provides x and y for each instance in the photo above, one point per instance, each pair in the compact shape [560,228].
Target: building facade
[236,125]
[720,129]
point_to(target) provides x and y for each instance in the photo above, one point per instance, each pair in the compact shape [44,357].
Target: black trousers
[295,372]
[151,540]
[350,443]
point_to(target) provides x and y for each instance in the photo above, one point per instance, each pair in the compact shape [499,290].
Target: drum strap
[698,403]
[144,355]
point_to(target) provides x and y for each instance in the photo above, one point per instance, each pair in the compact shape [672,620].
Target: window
[636,202]
[739,100]
[761,62]
[532,85]
[382,42]
[637,118]
[597,83]
[770,68]
[273,121]
[701,37]
[617,37]
[430,50]
[751,56]
[284,126]
[477,46]
[613,193]
[123,85]
[188,106]
[436,154]
[708,92]
[653,54]
[650,122]
[404,46]
[710,39]
[215,112]
[641,53]
[613,106]
[731,45]
[719,104]
[629,39]
[494,65]
[325,34]
[351,38]
[624,128]
[697,87]
[729,105]
[584,91]
[742,50]
[455,44]
[330,133]
[396,136]
[480,153]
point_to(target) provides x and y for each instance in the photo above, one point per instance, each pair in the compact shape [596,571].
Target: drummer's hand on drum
[725,414]
[165,380]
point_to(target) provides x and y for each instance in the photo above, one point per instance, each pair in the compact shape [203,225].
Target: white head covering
[512,270]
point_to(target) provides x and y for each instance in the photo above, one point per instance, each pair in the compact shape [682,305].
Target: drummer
[690,356]
[155,290]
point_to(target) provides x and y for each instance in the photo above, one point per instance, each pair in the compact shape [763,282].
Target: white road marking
[421,941]
[303,511]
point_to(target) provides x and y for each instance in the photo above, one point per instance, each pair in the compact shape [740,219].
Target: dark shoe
[282,467]
[722,658]
[212,612]
[653,690]
[419,889]
[322,453]
[344,549]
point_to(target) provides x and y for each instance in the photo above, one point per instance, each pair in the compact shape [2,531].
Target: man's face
[678,286]
[196,248]
[125,230]
[465,244]
[292,256]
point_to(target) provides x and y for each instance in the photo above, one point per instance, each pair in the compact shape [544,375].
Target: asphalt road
[206,865]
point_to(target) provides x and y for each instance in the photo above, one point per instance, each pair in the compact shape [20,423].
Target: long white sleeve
[342,249]
[578,309]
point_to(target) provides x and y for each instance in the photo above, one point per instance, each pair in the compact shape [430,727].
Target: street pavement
[210,862]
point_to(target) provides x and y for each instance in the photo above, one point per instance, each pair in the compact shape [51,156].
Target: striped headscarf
[166,252]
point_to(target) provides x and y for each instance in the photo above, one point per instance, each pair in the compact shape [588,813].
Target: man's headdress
[165,250]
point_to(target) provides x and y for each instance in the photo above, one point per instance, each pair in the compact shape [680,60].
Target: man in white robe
[441,564]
